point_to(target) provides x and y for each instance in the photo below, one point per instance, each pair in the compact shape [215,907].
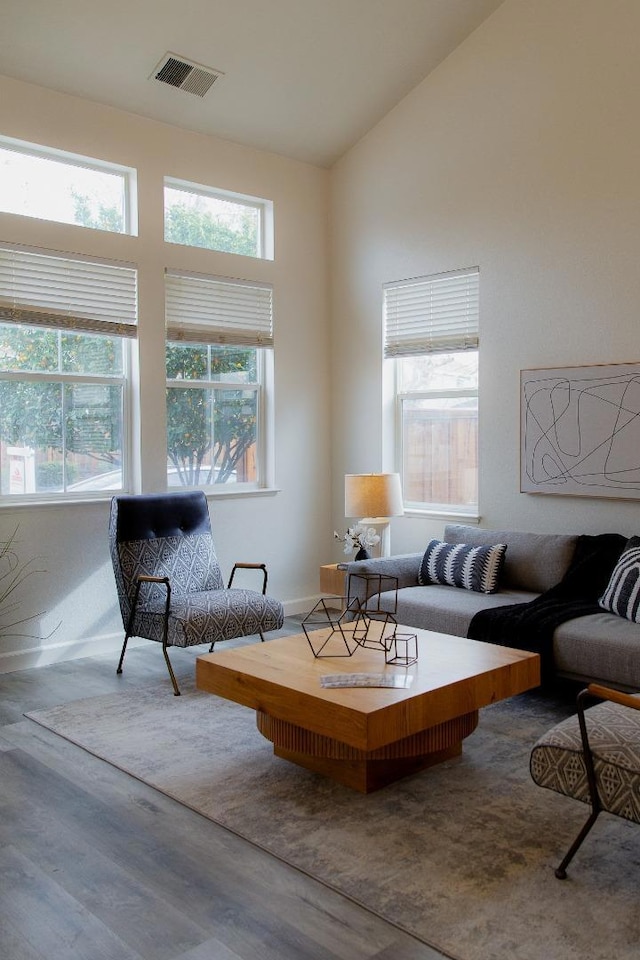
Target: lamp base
[382,526]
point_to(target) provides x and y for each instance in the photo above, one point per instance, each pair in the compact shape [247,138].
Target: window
[431,333]
[51,185]
[219,332]
[64,324]
[200,216]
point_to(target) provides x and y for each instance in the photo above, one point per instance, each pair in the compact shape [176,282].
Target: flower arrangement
[359,537]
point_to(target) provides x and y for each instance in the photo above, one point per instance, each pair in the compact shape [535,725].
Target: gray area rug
[461,855]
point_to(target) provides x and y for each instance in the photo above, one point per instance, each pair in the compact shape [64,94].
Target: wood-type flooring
[95,865]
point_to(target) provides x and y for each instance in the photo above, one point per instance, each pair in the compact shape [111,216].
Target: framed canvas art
[580,431]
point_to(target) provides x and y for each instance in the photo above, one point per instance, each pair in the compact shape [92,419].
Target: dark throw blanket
[530,626]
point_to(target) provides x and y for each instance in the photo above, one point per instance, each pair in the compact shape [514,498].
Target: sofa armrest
[405,567]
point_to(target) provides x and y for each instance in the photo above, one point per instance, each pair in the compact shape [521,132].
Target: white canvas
[580,431]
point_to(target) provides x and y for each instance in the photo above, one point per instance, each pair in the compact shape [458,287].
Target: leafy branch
[14,573]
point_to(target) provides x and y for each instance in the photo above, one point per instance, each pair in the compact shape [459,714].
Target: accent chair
[169,582]
[594,757]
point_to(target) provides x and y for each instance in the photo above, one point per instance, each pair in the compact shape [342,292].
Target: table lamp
[374,498]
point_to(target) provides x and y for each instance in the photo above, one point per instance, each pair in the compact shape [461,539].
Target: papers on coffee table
[398,680]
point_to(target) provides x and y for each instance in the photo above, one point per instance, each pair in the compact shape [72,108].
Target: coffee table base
[362,770]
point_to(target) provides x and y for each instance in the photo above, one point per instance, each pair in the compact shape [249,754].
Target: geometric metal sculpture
[361,622]
[335,633]
[402,649]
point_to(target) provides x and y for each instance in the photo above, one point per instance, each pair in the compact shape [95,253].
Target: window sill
[29,503]
[106,497]
[451,517]
[240,494]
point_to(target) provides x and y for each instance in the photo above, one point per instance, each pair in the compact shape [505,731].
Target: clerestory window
[38,181]
[200,216]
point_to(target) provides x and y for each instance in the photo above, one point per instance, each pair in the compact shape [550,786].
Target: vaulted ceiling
[302,78]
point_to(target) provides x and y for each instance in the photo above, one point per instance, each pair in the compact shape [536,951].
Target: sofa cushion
[444,609]
[534,561]
[461,565]
[599,646]
[622,595]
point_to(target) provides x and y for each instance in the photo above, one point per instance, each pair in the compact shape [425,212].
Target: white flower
[358,537]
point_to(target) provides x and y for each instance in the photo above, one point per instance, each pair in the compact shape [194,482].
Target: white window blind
[47,289]
[214,310]
[437,314]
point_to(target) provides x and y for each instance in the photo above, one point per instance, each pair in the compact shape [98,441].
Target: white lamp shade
[373,495]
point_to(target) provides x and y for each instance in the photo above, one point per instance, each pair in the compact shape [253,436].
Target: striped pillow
[622,595]
[460,565]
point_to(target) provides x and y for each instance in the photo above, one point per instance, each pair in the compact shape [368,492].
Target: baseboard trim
[110,643]
[11,660]
[302,605]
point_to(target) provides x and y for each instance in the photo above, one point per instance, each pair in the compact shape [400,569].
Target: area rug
[461,855]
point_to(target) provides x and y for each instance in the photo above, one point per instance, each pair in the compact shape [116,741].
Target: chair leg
[176,689]
[561,872]
[129,626]
[165,644]
[124,647]
[214,642]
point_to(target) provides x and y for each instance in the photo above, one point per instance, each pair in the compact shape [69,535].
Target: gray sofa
[599,647]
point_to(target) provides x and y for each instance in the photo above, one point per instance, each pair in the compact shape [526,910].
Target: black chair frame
[145,578]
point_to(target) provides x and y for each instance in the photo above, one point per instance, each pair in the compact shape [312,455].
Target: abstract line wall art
[580,431]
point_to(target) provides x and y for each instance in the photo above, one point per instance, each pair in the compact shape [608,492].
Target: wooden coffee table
[367,737]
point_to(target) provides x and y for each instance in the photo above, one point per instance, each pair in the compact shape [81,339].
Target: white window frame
[427,330]
[128,175]
[189,322]
[264,208]
[22,304]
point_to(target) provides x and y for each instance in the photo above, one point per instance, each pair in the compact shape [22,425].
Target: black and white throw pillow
[622,595]
[460,565]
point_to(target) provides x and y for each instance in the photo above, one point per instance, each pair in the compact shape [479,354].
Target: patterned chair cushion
[557,760]
[189,562]
[208,617]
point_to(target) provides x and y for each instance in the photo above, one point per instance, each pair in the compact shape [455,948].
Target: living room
[517,155]
[531,177]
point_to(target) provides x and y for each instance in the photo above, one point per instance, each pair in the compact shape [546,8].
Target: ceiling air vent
[187,76]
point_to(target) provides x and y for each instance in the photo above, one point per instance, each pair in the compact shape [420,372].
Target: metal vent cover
[185,75]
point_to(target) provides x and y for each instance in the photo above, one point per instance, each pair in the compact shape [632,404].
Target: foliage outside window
[213,414]
[37,181]
[431,334]
[203,217]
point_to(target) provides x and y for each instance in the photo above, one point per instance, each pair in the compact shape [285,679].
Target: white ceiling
[302,78]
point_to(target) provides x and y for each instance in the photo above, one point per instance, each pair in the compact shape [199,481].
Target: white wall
[289,530]
[519,154]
